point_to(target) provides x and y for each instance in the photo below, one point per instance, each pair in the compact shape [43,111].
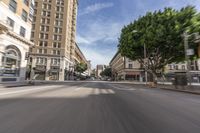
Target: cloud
[180,3]
[99,31]
[98,56]
[96,7]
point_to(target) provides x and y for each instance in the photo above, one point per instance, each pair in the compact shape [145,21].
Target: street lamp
[145,59]
[189,52]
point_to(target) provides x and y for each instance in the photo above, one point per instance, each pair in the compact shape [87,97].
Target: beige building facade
[80,58]
[15,30]
[173,68]
[53,33]
[126,69]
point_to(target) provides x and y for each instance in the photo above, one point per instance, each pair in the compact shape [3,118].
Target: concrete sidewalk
[20,84]
[194,88]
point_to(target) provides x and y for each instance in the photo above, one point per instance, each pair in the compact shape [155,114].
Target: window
[43,43]
[33,26]
[176,67]
[56,52]
[34,18]
[46,36]
[32,34]
[130,65]
[45,51]
[22,31]
[56,45]
[55,61]
[24,15]
[26,2]
[183,67]
[41,35]
[13,5]
[10,22]
[41,61]
[170,67]
[36,4]
[40,51]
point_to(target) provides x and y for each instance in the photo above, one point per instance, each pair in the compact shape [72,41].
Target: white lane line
[79,88]
[121,88]
[27,90]
[97,91]
[110,91]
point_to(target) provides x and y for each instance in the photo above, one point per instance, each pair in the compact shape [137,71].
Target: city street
[97,107]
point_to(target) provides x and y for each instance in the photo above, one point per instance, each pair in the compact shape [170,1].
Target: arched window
[11,61]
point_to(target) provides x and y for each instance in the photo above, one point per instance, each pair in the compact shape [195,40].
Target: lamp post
[145,59]
[189,52]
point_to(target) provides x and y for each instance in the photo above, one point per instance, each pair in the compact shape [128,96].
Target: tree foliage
[81,67]
[106,73]
[161,32]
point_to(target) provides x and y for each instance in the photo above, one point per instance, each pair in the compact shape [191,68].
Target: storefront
[54,73]
[10,64]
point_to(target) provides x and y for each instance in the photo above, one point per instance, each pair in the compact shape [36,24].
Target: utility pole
[188,63]
[145,62]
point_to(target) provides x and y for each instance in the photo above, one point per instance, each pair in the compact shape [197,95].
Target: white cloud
[82,40]
[98,56]
[96,7]
[99,30]
[181,3]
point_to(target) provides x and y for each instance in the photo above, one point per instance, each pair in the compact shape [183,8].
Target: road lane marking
[123,88]
[27,90]
[79,88]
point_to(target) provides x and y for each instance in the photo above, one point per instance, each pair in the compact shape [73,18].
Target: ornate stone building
[15,29]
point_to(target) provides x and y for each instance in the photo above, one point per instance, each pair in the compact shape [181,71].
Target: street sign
[190,51]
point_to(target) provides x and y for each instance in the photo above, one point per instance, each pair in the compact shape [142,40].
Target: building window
[45,51]
[176,67]
[10,22]
[41,61]
[24,15]
[13,5]
[56,52]
[22,31]
[43,43]
[26,2]
[32,34]
[36,4]
[183,67]
[130,66]
[55,61]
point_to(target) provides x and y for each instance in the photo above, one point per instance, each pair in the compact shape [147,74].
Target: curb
[183,91]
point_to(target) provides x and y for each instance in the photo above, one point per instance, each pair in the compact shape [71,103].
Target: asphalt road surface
[97,107]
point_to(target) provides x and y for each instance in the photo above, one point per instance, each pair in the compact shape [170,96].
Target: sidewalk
[20,84]
[194,88]
[14,84]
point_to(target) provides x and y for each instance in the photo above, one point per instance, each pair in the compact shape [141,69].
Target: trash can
[180,79]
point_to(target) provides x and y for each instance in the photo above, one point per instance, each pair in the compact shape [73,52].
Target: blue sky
[100,22]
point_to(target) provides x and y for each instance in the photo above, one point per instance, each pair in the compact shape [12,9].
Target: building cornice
[114,57]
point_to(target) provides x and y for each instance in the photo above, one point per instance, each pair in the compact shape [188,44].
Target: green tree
[161,32]
[81,67]
[106,73]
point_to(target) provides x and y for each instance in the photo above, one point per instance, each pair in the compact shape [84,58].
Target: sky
[99,23]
